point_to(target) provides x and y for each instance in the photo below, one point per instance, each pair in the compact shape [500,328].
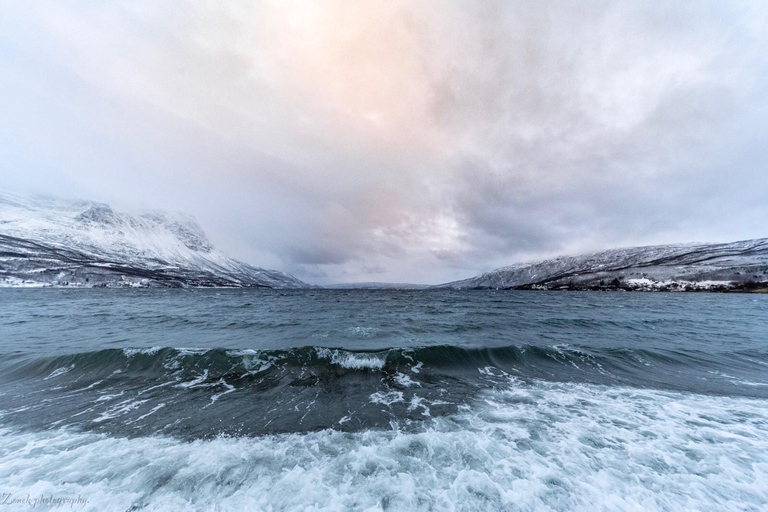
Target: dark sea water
[384,400]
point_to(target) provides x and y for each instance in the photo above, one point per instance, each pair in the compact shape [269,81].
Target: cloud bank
[397,141]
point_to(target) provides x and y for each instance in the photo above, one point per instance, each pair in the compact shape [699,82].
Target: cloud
[400,141]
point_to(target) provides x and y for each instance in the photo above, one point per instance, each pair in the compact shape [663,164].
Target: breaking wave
[187,392]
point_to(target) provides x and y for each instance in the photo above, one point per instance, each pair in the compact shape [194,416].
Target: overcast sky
[414,141]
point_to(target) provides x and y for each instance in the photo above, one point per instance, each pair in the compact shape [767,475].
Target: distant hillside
[737,266]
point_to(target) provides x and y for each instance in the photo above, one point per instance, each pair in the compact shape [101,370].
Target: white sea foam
[242,352]
[738,381]
[59,371]
[175,362]
[563,447]
[92,385]
[254,361]
[352,360]
[105,398]
[363,332]
[158,386]
[405,380]
[130,352]
[150,413]
[419,403]
[198,381]
[184,351]
[386,398]
[119,409]
[228,388]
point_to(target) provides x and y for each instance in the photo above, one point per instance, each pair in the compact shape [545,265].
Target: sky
[398,141]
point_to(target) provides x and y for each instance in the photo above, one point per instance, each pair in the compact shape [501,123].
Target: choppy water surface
[384,400]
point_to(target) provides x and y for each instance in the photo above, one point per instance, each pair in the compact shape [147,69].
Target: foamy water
[544,447]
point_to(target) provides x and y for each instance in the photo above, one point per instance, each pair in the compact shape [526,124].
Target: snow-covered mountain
[47,241]
[737,266]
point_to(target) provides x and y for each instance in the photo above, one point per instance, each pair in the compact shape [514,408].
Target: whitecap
[130,352]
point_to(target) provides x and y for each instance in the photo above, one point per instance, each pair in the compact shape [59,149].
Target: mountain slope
[738,266]
[46,241]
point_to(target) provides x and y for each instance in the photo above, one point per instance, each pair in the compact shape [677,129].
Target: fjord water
[384,400]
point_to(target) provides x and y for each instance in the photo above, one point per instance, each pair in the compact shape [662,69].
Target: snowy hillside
[45,241]
[741,266]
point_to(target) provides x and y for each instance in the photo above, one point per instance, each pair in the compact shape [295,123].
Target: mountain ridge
[56,242]
[734,266]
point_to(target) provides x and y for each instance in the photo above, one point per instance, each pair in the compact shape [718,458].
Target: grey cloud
[400,141]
